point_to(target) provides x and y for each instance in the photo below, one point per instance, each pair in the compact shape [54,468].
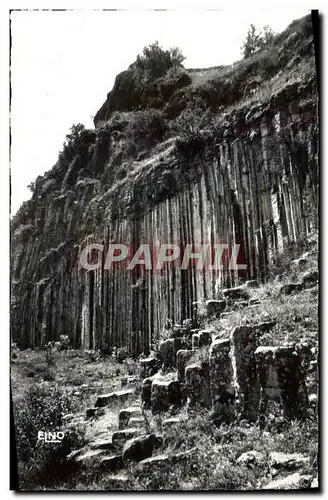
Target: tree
[255,40]
[267,35]
[154,61]
[31,186]
[74,140]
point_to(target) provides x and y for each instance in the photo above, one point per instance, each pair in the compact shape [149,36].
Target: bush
[92,356]
[77,141]
[196,129]
[121,354]
[154,62]
[256,40]
[145,128]
[42,410]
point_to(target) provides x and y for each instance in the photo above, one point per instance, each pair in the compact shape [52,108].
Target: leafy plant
[256,39]
[154,61]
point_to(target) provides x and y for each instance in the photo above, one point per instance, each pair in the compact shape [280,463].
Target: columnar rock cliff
[255,183]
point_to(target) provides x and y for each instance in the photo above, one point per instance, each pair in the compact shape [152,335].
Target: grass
[46,386]
[42,393]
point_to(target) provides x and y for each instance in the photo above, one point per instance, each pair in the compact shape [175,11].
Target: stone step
[115,398]
[202,338]
[165,394]
[89,455]
[149,366]
[105,444]
[126,413]
[112,463]
[136,422]
[121,436]
[215,307]
[236,293]
[166,459]
[172,421]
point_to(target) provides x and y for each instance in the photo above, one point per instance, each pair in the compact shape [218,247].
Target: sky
[63,64]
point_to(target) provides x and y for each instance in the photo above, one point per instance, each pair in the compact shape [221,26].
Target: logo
[50,437]
[155,257]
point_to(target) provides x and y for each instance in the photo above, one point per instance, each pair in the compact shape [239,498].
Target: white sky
[65,63]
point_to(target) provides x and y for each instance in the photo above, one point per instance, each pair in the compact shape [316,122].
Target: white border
[4,181]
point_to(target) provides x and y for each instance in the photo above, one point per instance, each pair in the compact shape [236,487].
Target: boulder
[111,463]
[168,350]
[146,392]
[91,413]
[290,288]
[125,414]
[215,307]
[169,422]
[310,278]
[251,458]
[183,357]
[251,284]
[265,326]
[221,372]
[187,325]
[148,366]
[244,340]
[197,383]
[117,397]
[202,338]
[177,331]
[294,481]
[281,379]
[236,293]
[121,436]
[136,422]
[164,394]
[141,447]
[87,456]
[288,461]
[163,460]
[104,444]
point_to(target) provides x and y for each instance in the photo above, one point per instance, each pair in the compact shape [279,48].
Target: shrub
[42,410]
[92,356]
[78,140]
[23,232]
[63,343]
[121,354]
[255,40]
[145,128]
[154,62]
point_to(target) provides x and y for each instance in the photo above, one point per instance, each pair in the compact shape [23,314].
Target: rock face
[255,186]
